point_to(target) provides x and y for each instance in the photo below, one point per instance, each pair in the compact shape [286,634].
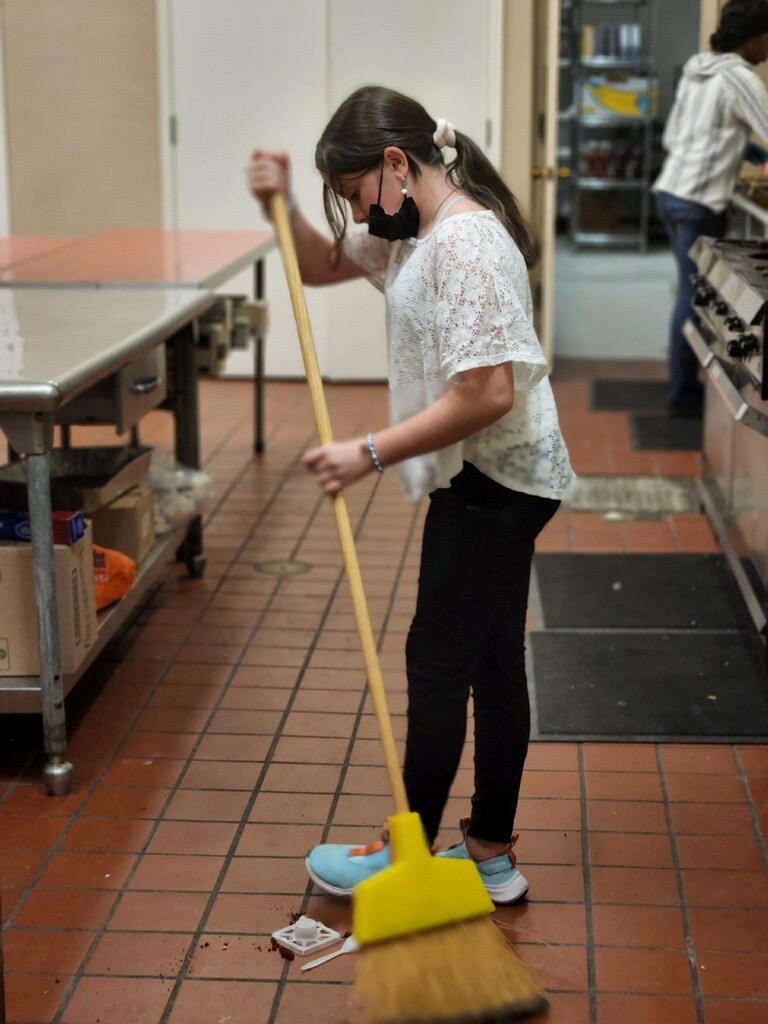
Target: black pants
[468,634]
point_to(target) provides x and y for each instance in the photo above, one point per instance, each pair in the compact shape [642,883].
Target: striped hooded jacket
[719,102]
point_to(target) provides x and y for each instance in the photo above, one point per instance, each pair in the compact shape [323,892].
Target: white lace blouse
[455,300]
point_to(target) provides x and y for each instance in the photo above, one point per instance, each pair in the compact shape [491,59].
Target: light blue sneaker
[336,868]
[502,881]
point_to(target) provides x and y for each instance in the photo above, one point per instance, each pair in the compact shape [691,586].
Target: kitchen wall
[677,39]
[89,86]
[81,105]
[82,89]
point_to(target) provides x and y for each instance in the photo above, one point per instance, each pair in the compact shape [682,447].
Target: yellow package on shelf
[632,97]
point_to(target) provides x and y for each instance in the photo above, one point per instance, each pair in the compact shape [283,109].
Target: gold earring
[403,185]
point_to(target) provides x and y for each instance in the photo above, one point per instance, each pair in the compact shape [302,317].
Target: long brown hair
[373,118]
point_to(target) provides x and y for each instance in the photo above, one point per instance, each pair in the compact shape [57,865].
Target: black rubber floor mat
[627,394]
[675,591]
[646,686]
[662,432]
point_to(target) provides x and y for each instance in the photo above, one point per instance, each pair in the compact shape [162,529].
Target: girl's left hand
[340,463]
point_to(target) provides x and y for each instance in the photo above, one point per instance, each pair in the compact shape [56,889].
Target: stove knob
[721,308]
[749,343]
[735,348]
[734,323]
[703,296]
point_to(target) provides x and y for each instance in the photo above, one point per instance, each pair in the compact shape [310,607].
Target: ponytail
[473,173]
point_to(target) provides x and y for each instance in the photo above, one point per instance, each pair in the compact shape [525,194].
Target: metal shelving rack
[611,187]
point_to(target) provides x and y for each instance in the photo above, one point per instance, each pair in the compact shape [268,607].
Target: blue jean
[684,221]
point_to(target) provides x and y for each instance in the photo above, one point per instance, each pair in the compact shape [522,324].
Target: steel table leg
[258,412]
[2,975]
[186,415]
[258,361]
[57,773]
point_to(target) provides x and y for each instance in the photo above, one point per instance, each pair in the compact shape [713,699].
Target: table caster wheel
[57,776]
[196,566]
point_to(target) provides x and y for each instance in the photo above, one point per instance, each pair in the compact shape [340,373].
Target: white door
[451,62]
[240,74]
[243,74]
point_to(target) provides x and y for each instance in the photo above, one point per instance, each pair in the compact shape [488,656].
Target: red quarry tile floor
[227,730]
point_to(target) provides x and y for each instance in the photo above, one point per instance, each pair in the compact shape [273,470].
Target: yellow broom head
[431,953]
[418,891]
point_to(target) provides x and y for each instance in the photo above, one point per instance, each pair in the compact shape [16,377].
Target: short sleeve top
[456,300]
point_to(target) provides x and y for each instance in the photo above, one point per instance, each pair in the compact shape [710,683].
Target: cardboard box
[75,601]
[128,523]
[68,527]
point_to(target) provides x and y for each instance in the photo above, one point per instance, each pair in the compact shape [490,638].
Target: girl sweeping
[473,427]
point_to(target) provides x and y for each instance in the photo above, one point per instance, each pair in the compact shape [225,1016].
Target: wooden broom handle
[282,224]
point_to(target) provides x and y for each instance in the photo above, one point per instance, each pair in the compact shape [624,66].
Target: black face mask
[393,226]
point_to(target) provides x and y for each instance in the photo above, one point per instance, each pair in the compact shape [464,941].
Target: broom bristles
[463,973]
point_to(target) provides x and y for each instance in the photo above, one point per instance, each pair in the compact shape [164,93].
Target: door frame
[710,11]
[531,44]
[5,180]
[166,106]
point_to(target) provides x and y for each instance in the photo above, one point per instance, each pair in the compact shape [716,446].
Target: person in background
[473,426]
[719,102]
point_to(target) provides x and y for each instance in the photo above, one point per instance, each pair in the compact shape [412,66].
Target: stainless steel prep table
[157,258]
[55,344]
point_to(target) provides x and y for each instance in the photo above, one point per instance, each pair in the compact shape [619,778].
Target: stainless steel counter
[728,335]
[750,219]
[56,343]
[151,259]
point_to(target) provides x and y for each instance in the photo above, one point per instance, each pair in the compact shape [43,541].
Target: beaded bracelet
[374,456]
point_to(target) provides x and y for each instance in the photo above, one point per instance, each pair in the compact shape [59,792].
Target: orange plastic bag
[113,575]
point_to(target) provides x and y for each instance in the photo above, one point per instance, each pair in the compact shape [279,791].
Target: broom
[431,952]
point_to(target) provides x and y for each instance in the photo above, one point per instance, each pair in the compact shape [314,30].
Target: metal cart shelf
[64,341]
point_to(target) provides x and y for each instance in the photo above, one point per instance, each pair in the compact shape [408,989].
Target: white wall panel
[247,74]
[449,62]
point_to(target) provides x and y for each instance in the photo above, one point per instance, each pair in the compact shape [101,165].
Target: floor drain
[282,568]
[635,495]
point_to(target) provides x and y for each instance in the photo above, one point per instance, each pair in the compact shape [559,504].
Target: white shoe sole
[332,890]
[510,892]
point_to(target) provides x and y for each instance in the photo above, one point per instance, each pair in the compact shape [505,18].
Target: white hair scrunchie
[444,135]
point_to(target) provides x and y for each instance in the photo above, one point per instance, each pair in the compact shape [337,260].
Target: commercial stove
[727,331]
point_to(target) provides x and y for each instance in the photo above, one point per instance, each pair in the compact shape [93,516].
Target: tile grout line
[586,869]
[753,815]
[690,947]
